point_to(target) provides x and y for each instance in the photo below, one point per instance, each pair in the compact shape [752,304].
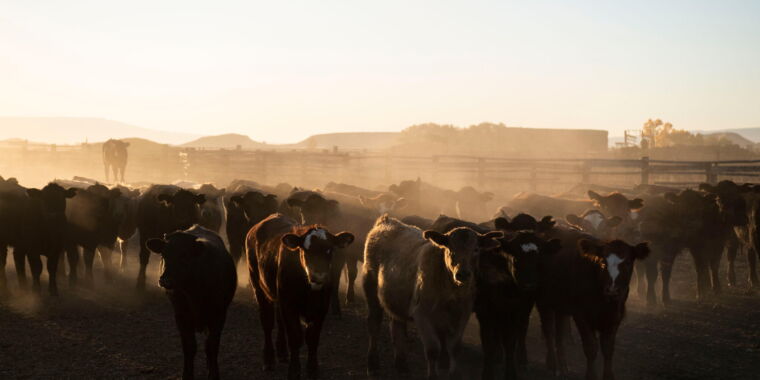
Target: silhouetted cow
[200,280]
[590,284]
[428,277]
[163,209]
[291,272]
[246,206]
[115,158]
[128,204]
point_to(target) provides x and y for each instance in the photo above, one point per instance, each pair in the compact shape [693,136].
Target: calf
[200,280]
[246,206]
[425,276]
[163,209]
[589,284]
[290,267]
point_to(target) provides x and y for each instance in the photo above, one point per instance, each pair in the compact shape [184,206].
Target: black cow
[290,267]
[128,205]
[163,209]
[200,280]
[246,206]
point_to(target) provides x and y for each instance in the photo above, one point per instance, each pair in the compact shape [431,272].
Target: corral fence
[35,164]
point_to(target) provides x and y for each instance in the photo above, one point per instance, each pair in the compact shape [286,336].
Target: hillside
[351,141]
[226,141]
[74,130]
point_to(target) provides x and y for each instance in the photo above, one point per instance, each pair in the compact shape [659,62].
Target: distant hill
[351,141]
[226,141]
[74,130]
[740,136]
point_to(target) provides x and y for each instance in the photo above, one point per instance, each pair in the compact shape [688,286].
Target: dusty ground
[111,333]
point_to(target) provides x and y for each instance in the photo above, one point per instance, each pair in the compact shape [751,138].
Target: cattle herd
[428,256]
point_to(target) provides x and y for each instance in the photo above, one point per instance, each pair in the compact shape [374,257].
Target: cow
[590,284]
[93,218]
[212,211]
[595,223]
[507,284]
[200,280]
[290,267]
[13,198]
[115,158]
[128,205]
[428,277]
[163,209]
[246,206]
[351,190]
[427,200]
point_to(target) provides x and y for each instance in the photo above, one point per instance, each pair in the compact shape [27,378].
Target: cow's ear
[156,245]
[70,192]
[200,199]
[545,224]
[34,193]
[502,224]
[593,195]
[292,241]
[574,220]
[671,197]
[589,247]
[490,240]
[237,200]
[343,239]
[436,238]
[635,204]
[551,247]
[165,198]
[614,221]
[641,251]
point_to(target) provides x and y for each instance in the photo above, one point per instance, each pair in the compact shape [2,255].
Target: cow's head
[313,207]
[184,207]
[529,253]
[525,222]
[315,247]
[595,223]
[255,205]
[53,200]
[693,213]
[615,259]
[616,204]
[461,248]
[180,253]
[383,203]
[730,200]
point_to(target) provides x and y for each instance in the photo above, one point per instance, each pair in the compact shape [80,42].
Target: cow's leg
[144,259]
[752,255]
[561,331]
[105,255]
[123,248]
[106,170]
[189,347]
[732,248]
[374,320]
[398,336]
[281,344]
[267,315]
[212,349]
[351,272]
[295,340]
[115,173]
[489,341]
[548,328]
[236,248]
[35,264]
[607,339]
[523,320]
[52,269]
[666,269]
[511,335]
[3,258]
[19,259]
[432,344]
[72,255]
[701,265]
[453,346]
[590,346]
[715,271]
[336,269]
[89,257]
[313,330]
[641,278]
[121,172]
[650,266]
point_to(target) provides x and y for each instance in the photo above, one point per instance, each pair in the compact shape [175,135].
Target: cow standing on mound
[200,280]
[425,276]
[164,209]
[291,273]
[115,158]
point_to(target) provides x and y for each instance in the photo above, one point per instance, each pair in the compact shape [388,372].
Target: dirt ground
[111,332]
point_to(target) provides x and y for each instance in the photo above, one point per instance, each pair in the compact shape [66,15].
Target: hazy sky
[279,71]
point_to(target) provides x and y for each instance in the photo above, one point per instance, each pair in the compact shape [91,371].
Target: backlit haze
[281,71]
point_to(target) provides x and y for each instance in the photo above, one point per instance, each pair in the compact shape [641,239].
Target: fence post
[645,170]
[711,176]
[481,173]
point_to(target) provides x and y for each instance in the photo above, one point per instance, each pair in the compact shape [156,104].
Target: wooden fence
[35,164]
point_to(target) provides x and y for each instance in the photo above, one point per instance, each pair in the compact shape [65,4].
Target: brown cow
[426,277]
[589,284]
[290,267]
